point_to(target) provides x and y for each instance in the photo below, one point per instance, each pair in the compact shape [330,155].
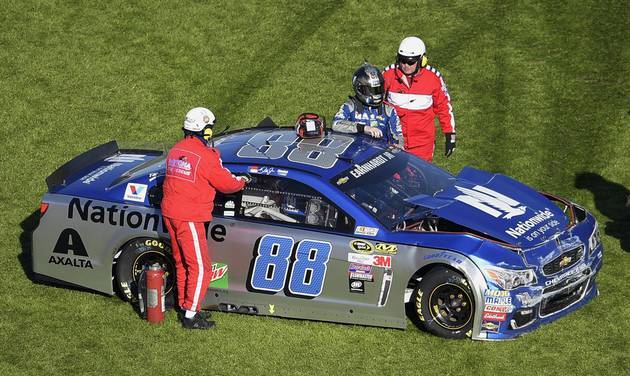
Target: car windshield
[383,184]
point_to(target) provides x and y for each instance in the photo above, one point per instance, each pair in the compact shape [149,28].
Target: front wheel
[443,304]
[137,255]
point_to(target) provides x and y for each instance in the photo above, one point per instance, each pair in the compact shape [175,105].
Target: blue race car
[336,228]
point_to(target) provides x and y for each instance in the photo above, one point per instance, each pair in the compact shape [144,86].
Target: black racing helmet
[368,84]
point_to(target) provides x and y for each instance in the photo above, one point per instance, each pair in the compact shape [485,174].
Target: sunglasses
[411,61]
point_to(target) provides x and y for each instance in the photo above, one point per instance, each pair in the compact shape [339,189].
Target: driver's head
[368,85]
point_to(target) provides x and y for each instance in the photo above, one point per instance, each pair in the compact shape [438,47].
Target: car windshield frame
[386,184]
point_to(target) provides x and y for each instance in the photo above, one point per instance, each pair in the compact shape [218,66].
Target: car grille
[565,260]
[563,299]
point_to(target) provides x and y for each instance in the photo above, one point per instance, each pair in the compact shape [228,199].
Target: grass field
[540,90]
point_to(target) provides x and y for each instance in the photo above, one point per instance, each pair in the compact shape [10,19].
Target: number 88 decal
[272,262]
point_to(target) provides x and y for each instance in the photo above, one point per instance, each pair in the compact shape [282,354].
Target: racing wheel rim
[450,306]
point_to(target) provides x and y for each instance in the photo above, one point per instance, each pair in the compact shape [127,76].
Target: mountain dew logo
[219,276]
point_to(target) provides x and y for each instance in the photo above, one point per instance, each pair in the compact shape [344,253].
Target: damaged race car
[338,228]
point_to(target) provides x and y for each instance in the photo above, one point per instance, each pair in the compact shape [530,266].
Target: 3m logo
[490,202]
[383,261]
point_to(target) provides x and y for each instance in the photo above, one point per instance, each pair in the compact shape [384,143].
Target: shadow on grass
[28,225]
[610,199]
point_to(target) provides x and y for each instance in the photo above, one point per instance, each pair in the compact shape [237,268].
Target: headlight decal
[509,279]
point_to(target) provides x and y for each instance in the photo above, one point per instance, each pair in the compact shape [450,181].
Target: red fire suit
[417,102]
[193,173]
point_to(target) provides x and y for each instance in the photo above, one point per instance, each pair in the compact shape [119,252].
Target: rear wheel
[443,304]
[134,258]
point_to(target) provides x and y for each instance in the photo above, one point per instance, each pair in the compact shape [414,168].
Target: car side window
[277,199]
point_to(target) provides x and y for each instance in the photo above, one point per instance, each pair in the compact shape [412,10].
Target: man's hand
[372,131]
[246,178]
[450,144]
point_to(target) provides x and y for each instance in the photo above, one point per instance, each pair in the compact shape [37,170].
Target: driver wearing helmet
[193,172]
[418,93]
[365,112]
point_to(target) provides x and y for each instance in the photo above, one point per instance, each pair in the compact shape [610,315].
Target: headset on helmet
[199,121]
[368,84]
[412,50]
[310,125]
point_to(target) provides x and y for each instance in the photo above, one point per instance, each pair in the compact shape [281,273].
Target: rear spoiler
[90,157]
[80,162]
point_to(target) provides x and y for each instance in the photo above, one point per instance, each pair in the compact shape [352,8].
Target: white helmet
[198,119]
[412,47]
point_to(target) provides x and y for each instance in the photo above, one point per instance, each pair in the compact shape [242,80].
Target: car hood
[497,206]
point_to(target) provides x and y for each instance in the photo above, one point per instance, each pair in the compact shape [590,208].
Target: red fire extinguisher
[155,294]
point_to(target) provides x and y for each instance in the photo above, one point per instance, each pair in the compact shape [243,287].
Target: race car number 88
[272,265]
[321,153]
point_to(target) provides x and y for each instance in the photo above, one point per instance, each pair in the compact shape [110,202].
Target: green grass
[540,92]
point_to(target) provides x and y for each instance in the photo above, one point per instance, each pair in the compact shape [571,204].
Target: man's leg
[199,268]
[180,269]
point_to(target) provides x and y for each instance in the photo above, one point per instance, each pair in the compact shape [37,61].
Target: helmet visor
[372,91]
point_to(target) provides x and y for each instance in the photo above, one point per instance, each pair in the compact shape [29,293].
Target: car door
[286,249]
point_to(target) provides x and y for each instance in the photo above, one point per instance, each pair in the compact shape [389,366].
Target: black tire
[443,304]
[134,256]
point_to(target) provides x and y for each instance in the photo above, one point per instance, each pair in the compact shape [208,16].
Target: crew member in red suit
[193,172]
[418,93]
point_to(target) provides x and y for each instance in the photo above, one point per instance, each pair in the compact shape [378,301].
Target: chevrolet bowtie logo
[565,261]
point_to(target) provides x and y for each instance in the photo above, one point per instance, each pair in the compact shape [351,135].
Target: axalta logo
[490,202]
[70,241]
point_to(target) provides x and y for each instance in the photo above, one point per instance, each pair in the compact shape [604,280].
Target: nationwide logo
[523,227]
[490,202]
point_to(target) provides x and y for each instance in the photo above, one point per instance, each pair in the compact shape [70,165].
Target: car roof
[277,147]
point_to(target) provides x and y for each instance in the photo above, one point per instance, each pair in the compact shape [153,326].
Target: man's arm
[343,121]
[394,125]
[220,177]
[442,105]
